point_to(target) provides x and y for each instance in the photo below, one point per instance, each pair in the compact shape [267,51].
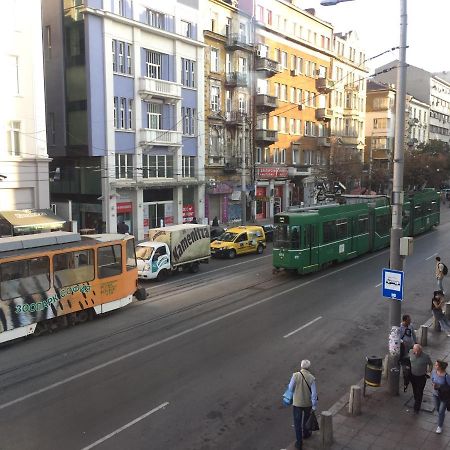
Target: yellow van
[238,241]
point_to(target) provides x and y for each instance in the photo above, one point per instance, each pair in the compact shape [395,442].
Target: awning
[32,219]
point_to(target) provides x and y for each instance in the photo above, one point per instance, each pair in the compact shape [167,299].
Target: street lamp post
[396,261]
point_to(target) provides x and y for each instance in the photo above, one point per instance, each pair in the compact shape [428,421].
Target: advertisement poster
[188,213]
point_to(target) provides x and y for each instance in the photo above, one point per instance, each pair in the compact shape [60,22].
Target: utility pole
[243,180]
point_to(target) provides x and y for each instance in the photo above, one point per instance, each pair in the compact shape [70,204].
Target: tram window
[24,277]
[295,238]
[281,236]
[73,267]
[329,231]
[383,225]
[109,262]
[341,229]
[418,211]
[363,225]
[131,254]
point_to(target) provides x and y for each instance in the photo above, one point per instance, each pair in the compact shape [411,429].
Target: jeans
[439,284]
[301,415]
[443,321]
[418,385]
[440,408]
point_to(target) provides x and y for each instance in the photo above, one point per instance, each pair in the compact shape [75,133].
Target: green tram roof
[51,241]
[324,210]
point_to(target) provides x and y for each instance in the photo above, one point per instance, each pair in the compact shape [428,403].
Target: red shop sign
[124,207]
[272,172]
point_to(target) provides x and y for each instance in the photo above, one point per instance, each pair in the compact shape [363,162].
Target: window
[295,156]
[214,59]
[187,72]
[242,64]
[114,56]
[14,74]
[381,123]
[121,57]
[242,103]
[123,107]
[131,255]
[109,261]
[329,231]
[188,166]
[341,228]
[299,96]
[292,126]
[116,107]
[124,166]
[48,43]
[258,158]
[153,61]
[383,225]
[51,131]
[282,124]
[363,224]
[72,268]
[130,114]
[275,123]
[157,166]
[215,98]
[282,155]
[13,138]
[298,126]
[276,155]
[188,115]
[155,19]
[276,87]
[154,116]
[186,29]
[128,63]
[283,92]
[25,277]
[284,59]
[292,94]
[309,128]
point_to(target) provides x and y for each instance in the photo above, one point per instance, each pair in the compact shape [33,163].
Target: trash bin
[374,368]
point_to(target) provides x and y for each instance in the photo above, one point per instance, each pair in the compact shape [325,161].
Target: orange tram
[52,280]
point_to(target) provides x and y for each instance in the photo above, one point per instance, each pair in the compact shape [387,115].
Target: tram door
[311,239]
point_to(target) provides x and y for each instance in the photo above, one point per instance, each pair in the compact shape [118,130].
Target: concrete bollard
[394,381]
[355,400]
[326,429]
[384,374]
[447,310]
[423,335]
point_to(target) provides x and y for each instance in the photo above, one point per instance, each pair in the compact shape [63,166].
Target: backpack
[445,269]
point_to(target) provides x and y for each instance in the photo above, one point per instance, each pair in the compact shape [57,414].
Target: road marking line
[180,334]
[432,256]
[379,284]
[302,327]
[128,425]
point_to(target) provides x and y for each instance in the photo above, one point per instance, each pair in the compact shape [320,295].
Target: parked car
[216,232]
[268,230]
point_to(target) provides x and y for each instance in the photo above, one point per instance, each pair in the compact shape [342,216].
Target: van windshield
[228,237]
[144,252]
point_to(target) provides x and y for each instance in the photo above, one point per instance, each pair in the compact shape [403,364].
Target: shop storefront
[272,191]
[125,214]
[217,202]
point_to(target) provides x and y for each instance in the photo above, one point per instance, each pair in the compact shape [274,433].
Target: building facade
[126,98]
[24,171]
[229,102]
[428,89]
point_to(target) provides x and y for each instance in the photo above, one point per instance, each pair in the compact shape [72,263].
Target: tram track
[72,354]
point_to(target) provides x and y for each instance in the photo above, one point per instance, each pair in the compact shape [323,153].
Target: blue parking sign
[392,284]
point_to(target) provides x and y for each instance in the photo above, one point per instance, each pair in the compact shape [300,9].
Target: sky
[377,23]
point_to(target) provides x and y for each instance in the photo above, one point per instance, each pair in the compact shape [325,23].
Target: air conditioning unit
[294,73]
[258,52]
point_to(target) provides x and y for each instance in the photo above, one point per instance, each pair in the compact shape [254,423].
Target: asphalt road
[203,362]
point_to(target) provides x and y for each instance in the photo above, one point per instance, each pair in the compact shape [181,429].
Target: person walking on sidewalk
[303,384]
[439,271]
[439,377]
[420,367]
[437,305]
[408,339]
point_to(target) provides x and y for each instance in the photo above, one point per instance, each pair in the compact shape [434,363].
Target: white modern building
[128,105]
[429,89]
[24,163]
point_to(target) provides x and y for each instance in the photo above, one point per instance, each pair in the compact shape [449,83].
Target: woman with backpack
[441,391]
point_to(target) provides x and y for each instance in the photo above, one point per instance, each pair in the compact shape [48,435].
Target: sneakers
[448,335]
[439,430]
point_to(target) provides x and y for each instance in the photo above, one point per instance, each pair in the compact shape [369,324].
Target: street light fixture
[333,2]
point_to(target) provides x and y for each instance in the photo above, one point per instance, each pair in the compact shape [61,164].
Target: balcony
[151,137]
[324,114]
[351,111]
[268,136]
[265,102]
[230,165]
[350,140]
[154,88]
[235,117]
[236,79]
[324,85]
[269,66]
[352,87]
[323,141]
[237,41]
[302,170]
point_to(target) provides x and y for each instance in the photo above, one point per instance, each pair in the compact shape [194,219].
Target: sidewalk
[388,422]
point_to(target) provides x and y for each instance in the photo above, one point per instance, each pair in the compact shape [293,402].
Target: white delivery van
[172,248]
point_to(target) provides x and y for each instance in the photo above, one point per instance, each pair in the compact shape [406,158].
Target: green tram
[311,238]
